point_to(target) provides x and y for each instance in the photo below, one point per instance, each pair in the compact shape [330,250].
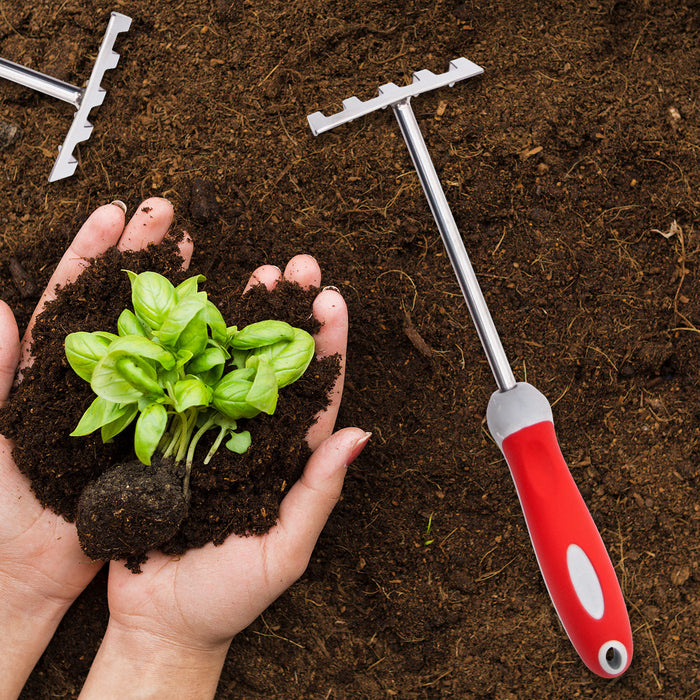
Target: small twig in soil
[416,338]
[274,634]
[647,626]
[408,277]
[491,574]
[24,283]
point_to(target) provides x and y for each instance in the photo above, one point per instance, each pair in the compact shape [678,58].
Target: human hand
[170,626]
[42,568]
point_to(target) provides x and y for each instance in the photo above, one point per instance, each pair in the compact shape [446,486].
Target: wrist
[28,620]
[136,663]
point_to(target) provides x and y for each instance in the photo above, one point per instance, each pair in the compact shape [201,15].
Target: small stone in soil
[9,134]
[131,509]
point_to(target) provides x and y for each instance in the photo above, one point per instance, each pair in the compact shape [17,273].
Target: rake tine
[93,96]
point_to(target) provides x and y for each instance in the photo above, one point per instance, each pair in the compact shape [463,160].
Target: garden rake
[575,565]
[83,99]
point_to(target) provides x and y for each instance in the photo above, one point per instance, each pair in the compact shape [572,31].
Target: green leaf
[152,297]
[100,412]
[289,360]
[219,419]
[113,429]
[213,318]
[212,356]
[230,394]
[239,357]
[84,351]
[182,357]
[190,392]
[263,393]
[178,317]
[111,384]
[262,333]
[194,336]
[150,427]
[209,365]
[128,324]
[189,286]
[239,442]
[139,346]
[139,374]
[106,335]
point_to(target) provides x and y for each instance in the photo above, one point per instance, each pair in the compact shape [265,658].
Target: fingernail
[120,204]
[358,447]
[331,287]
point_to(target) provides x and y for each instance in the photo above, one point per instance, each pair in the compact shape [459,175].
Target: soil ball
[131,509]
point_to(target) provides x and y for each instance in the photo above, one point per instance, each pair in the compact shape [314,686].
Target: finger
[186,248]
[100,231]
[9,350]
[330,310]
[149,224]
[304,270]
[269,275]
[305,509]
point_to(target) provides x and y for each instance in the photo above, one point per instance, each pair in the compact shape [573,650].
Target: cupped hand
[174,621]
[42,568]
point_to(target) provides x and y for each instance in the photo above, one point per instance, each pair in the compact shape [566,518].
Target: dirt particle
[680,575]
[10,134]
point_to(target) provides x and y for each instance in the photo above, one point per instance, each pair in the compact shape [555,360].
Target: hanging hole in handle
[612,656]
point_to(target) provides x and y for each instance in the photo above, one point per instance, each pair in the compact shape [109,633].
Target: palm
[167,597]
[38,548]
[207,595]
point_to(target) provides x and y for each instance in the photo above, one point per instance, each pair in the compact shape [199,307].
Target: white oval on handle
[585,581]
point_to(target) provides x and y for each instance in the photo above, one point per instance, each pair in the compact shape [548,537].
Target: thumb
[306,507]
[9,350]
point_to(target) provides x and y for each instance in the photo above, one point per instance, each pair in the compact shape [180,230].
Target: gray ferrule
[515,409]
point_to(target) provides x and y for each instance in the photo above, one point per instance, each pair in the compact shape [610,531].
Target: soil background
[571,169]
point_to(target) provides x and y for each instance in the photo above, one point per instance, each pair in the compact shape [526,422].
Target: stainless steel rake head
[84,99]
[391,94]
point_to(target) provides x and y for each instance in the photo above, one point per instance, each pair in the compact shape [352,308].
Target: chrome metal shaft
[40,82]
[500,367]
[399,99]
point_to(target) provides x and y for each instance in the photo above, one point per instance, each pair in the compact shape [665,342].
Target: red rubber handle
[575,565]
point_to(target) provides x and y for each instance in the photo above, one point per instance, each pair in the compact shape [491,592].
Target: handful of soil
[124,509]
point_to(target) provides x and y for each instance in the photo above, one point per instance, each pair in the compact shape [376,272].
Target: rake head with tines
[84,99]
[575,565]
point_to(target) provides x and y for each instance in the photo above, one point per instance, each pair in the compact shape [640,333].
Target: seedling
[428,539]
[177,370]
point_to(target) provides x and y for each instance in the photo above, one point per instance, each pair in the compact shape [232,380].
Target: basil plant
[177,370]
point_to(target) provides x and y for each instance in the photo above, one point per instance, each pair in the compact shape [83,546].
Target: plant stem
[188,419]
[190,452]
[172,438]
[215,446]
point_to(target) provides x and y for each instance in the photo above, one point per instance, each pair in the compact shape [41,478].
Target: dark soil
[571,167]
